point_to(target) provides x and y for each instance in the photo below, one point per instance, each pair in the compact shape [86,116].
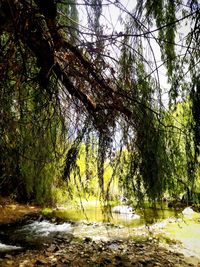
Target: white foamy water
[4,247]
[45,228]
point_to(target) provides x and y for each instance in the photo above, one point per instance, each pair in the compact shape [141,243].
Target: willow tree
[95,79]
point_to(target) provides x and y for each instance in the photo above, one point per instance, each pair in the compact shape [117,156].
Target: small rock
[157,264]
[9,262]
[40,262]
[53,248]
[118,257]
[188,211]
[87,240]
[8,256]
[106,261]
[65,260]
[25,263]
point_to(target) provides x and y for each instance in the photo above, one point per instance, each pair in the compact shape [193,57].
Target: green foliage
[68,18]
[164,13]
[74,115]
[147,164]
[31,139]
[84,183]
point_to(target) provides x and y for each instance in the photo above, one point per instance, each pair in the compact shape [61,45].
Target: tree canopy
[91,72]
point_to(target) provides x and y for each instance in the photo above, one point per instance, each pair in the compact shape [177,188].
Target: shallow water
[7,248]
[89,222]
[43,228]
[96,214]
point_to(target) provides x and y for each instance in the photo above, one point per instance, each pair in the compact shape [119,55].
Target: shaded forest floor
[74,252]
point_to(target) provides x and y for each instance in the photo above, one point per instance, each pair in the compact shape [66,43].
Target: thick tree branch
[34,34]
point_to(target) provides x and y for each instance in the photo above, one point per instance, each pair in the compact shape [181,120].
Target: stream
[36,230]
[90,237]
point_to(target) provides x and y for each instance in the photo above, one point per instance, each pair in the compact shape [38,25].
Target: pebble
[92,254]
[8,256]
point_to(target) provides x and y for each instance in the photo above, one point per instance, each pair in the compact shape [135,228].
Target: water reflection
[97,214]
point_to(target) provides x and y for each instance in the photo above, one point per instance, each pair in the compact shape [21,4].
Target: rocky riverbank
[88,253]
[73,251]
